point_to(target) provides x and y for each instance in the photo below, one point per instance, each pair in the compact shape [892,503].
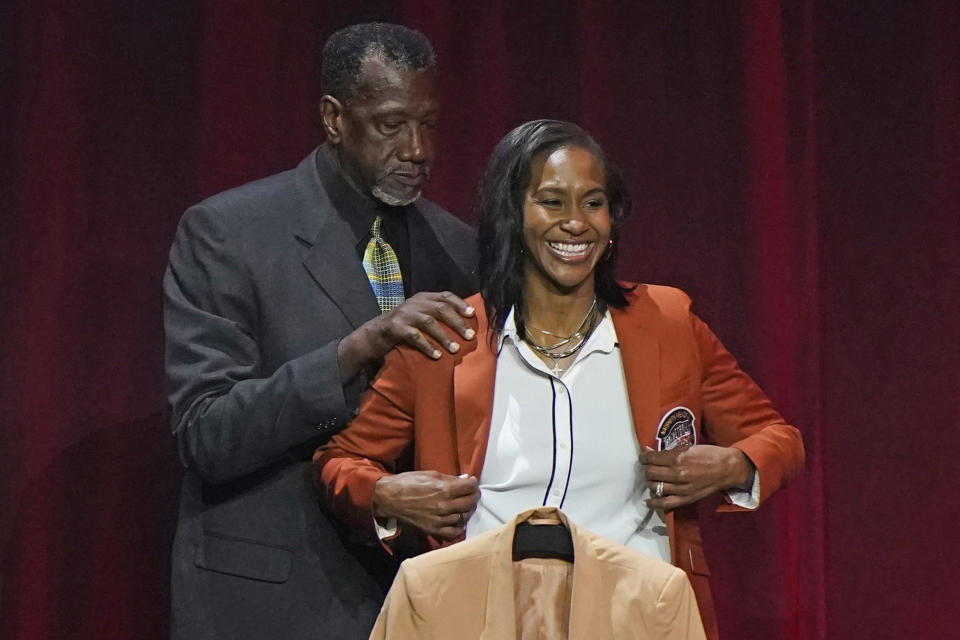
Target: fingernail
[454,347]
[469,333]
[469,311]
[436,354]
[463,475]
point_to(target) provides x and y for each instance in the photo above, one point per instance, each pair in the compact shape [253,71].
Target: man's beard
[389,199]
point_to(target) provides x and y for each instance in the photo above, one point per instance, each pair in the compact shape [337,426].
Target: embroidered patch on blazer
[677,428]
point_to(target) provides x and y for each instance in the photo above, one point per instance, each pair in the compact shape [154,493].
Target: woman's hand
[437,504]
[692,473]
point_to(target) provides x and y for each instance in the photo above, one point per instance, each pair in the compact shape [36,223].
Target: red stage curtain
[794,165]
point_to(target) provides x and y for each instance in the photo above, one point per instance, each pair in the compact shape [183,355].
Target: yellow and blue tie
[383,270]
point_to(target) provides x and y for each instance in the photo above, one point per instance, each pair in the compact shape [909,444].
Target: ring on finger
[659,490]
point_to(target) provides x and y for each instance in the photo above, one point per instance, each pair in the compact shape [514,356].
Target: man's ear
[331,115]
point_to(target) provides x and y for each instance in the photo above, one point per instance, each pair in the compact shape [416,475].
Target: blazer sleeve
[738,413]
[230,418]
[348,466]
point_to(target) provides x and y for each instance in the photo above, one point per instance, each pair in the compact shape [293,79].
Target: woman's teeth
[569,249]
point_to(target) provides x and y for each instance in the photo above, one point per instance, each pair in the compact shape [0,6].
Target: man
[280,301]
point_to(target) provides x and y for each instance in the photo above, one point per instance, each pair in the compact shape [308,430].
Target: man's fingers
[433,320]
[459,304]
[438,317]
[423,322]
[452,317]
[413,337]
[435,329]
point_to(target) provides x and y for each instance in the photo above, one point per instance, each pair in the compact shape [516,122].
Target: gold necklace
[580,335]
[576,334]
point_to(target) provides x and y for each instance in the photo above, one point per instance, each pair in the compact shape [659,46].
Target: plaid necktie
[383,270]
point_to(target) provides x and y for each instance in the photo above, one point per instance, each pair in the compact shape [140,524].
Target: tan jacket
[471,591]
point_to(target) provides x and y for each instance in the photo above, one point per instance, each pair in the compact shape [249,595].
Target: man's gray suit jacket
[263,281]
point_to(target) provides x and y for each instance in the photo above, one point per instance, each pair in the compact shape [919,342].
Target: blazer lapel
[500,615]
[589,604]
[330,257]
[640,354]
[473,382]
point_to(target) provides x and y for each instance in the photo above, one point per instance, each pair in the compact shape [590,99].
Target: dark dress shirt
[359,212]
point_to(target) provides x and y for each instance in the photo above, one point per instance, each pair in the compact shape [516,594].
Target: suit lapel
[330,257]
[347,284]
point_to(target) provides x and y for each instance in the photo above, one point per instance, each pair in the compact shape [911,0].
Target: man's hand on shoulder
[424,315]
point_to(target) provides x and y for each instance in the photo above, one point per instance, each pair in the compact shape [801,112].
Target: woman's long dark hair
[500,204]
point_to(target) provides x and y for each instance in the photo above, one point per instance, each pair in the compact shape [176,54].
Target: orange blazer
[670,359]
[475,590]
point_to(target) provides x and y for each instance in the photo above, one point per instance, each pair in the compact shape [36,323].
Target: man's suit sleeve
[228,416]
[738,413]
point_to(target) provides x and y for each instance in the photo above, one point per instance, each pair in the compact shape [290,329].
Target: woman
[578,391]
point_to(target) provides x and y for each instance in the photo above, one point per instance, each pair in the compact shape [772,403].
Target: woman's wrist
[742,470]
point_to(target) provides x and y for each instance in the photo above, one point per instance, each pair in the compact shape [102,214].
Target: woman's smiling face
[566,220]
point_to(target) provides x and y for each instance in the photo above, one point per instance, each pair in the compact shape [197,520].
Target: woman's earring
[608,251]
